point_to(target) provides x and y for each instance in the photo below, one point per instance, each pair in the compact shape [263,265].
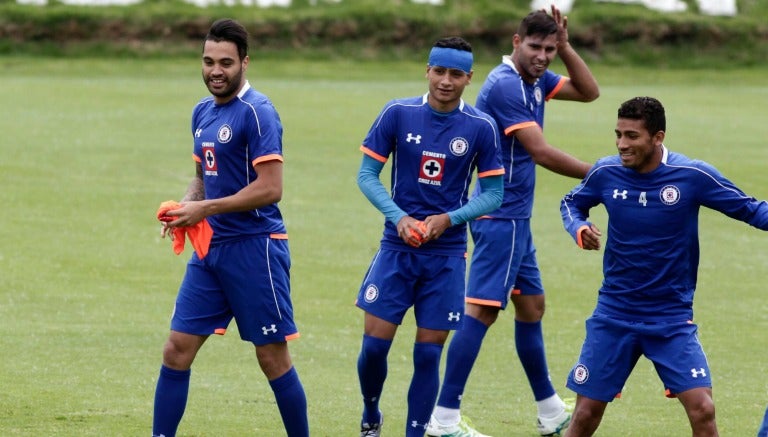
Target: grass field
[91,147]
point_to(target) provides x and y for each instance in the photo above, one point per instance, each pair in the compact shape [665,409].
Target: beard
[230,85]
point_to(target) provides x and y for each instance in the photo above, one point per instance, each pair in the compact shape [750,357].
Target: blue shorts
[613,346]
[503,262]
[247,279]
[432,284]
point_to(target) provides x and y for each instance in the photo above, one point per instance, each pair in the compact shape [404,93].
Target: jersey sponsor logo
[198,132]
[617,194]
[580,374]
[670,195]
[459,146]
[411,137]
[272,329]
[371,293]
[224,134]
[454,316]
[210,168]
[432,166]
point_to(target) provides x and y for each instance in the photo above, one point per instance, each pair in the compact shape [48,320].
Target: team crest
[459,146]
[580,374]
[537,95]
[224,134]
[670,195]
[371,293]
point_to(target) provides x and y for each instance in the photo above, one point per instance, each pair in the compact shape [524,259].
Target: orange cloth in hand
[200,234]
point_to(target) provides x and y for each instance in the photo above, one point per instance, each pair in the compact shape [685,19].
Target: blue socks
[170,401]
[292,403]
[529,341]
[424,387]
[372,371]
[462,353]
[173,388]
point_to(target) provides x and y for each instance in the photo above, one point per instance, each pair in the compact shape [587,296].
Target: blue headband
[451,58]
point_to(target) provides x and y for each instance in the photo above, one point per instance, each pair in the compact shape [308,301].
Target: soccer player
[504,264]
[645,304]
[436,142]
[237,137]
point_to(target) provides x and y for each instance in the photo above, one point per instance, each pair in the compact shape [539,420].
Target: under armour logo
[416,424]
[454,317]
[416,138]
[272,328]
[198,132]
[616,194]
[696,373]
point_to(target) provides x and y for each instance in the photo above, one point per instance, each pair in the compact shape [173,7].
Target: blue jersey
[652,249]
[433,158]
[229,140]
[515,104]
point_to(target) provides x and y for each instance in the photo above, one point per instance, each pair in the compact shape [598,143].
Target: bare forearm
[560,162]
[195,191]
[578,71]
[253,196]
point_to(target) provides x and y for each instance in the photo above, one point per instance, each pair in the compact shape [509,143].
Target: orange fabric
[200,234]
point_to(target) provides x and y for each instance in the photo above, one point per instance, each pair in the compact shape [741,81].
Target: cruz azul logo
[432,166]
[209,159]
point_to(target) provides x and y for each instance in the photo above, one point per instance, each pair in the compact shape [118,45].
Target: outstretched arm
[549,156]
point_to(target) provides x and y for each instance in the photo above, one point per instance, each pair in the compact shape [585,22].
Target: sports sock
[292,403]
[529,341]
[372,371]
[170,400]
[424,386]
[462,353]
[551,406]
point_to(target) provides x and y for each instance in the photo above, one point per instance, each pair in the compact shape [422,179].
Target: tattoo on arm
[196,188]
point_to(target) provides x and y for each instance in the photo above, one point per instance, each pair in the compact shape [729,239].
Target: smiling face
[446,85]
[533,54]
[638,148]
[223,71]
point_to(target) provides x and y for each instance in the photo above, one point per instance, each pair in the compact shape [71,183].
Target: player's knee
[273,359]
[702,412]
[529,310]
[176,356]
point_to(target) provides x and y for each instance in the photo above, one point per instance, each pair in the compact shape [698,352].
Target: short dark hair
[454,42]
[537,23]
[230,30]
[647,109]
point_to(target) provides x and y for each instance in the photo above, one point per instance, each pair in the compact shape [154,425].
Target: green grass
[91,147]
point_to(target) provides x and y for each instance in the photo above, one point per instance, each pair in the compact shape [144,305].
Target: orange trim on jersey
[556,89]
[483,302]
[669,394]
[196,158]
[497,172]
[278,236]
[265,158]
[618,395]
[508,131]
[220,331]
[292,336]
[578,236]
[373,154]
[516,291]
